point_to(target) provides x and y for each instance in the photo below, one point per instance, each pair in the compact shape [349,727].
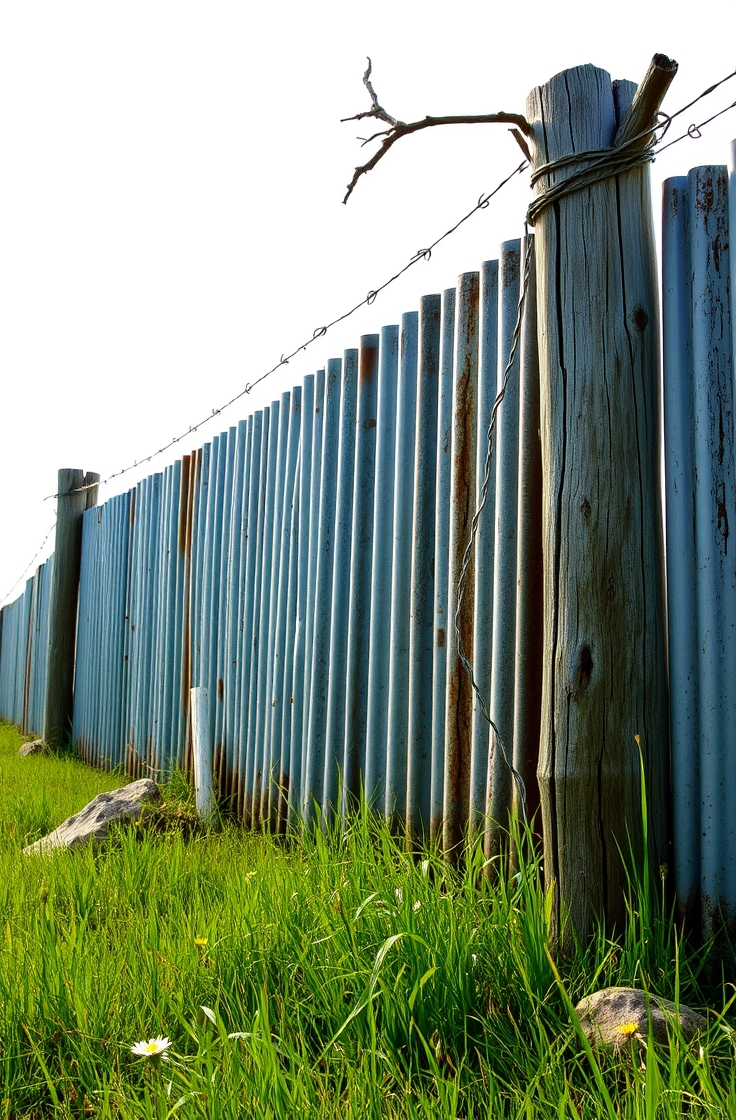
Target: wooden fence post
[604,672]
[72,501]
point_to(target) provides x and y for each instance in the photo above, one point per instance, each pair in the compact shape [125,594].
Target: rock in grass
[36,747]
[614,1017]
[93,822]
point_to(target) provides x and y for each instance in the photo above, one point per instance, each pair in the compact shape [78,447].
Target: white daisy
[154,1048]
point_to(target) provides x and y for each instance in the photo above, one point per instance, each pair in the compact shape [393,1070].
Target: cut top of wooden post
[606,125]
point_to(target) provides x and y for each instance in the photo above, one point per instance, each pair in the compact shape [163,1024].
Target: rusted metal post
[604,672]
[485,545]
[459,704]
[361,554]
[73,499]
[442,619]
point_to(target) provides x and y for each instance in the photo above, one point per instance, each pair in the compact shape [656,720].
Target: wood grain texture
[604,673]
[63,608]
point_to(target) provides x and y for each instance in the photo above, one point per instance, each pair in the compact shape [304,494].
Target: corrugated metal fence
[304,567]
[24,636]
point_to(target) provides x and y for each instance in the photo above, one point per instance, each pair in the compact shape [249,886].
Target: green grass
[358,980]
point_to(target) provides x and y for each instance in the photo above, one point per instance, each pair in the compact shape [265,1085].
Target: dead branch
[401,128]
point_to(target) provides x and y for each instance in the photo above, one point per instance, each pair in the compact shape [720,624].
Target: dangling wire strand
[467,555]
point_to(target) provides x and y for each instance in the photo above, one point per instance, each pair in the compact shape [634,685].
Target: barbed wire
[606,162]
[23,575]
[705,93]
[319,332]
[421,254]
[693,132]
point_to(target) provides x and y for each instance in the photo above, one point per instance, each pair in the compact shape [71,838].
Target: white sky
[171,215]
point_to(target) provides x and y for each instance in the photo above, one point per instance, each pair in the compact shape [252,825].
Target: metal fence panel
[701,508]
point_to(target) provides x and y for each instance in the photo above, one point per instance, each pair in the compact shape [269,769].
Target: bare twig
[377,110]
[400,128]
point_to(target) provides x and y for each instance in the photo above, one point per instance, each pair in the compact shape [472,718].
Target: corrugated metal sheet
[701,515]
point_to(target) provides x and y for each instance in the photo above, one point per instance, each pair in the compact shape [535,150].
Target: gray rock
[93,822]
[616,1017]
[36,747]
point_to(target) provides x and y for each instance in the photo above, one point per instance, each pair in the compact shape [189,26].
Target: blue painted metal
[421,612]
[40,638]
[732,227]
[98,705]
[259,677]
[23,645]
[381,565]
[484,543]
[393,778]
[715,514]
[505,554]
[162,755]
[238,564]
[701,491]
[304,568]
[334,745]
[285,614]
[309,494]
[361,556]
[255,498]
[266,679]
[195,583]
[16,620]
[269,603]
[226,593]
[197,570]
[318,640]
[142,616]
[280,811]
[180,682]
[216,531]
[680,497]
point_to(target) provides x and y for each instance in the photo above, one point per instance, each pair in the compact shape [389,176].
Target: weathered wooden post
[76,492]
[604,674]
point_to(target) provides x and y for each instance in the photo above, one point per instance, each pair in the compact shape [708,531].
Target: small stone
[93,822]
[614,1017]
[36,747]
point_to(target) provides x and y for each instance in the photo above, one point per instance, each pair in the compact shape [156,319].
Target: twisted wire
[25,572]
[462,578]
[319,332]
